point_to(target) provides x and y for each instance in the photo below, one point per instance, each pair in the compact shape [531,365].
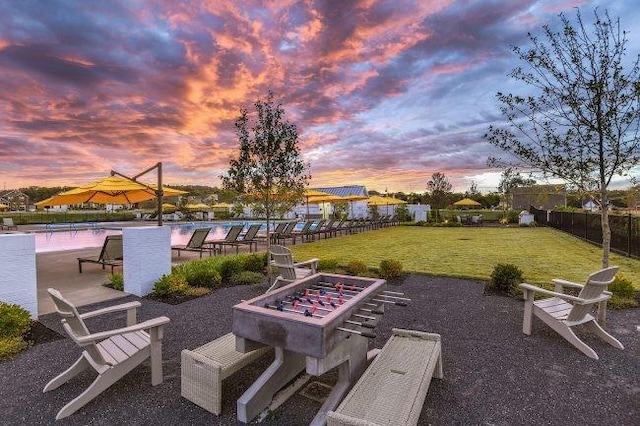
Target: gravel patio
[493,374]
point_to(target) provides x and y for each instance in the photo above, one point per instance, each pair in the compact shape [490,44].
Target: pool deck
[60,270]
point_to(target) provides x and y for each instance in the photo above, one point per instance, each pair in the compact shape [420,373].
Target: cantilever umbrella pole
[159,193]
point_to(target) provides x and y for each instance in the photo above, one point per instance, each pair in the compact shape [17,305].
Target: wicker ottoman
[204,368]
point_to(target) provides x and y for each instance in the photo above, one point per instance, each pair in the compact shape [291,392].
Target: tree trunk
[606,230]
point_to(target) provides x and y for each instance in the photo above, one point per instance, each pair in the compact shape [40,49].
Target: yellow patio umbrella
[199,207]
[313,196]
[222,206]
[467,202]
[168,206]
[110,190]
[377,200]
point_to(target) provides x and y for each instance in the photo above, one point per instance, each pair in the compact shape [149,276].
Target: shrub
[229,266]
[11,345]
[505,279]
[328,265]
[15,321]
[390,269]
[246,278]
[204,277]
[115,281]
[623,293]
[622,287]
[198,291]
[254,262]
[356,267]
[171,284]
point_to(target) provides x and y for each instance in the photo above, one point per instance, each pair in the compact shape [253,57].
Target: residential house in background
[14,199]
[543,197]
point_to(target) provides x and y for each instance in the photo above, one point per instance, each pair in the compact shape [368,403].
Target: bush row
[388,269]
[199,277]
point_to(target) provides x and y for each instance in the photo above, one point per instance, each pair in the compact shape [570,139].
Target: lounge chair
[111,253]
[286,233]
[304,233]
[288,270]
[196,242]
[231,239]
[250,238]
[7,222]
[562,312]
[111,353]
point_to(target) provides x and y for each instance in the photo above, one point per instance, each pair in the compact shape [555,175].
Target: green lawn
[541,253]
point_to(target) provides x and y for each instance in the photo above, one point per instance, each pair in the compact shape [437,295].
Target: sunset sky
[384,93]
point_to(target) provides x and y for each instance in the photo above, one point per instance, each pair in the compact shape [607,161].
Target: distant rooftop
[344,191]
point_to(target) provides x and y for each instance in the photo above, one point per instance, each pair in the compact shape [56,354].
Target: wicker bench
[204,368]
[392,390]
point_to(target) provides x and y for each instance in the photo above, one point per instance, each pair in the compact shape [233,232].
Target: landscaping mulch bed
[493,374]
[40,333]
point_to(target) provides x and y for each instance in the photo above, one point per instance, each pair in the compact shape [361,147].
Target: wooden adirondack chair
[196,242]
[288,270]
[111,253]
[562,312]
[112,354]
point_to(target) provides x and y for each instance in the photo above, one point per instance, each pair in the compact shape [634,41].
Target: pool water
[47,241]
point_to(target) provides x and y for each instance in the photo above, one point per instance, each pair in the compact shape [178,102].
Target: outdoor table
[317,343]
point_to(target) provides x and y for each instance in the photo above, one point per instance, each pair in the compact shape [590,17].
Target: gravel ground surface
[493,374]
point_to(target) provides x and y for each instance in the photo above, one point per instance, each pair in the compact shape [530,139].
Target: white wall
[18,282]
[419,212]
[147,257]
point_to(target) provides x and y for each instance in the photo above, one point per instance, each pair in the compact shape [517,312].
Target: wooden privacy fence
[625,230]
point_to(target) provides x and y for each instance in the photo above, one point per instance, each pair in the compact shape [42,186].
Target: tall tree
[439,189]
[583,125]
[472,192]
[269,173]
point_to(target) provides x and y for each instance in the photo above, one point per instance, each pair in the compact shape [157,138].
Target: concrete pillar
[147,257]
[18,282]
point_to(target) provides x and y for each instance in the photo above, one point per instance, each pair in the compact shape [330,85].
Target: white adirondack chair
[288,270]
[562,312]
[112,354]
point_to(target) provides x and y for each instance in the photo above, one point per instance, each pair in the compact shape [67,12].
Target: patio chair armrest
[313,263]
[536,289]
[102,335]
[574,299]
[111,309]
[560,283]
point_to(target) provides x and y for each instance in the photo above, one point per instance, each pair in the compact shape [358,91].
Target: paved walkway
[493,374]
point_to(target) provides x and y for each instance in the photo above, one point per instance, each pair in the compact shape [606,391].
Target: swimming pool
[78,237]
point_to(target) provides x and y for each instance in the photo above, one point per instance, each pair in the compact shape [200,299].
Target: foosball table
[317,323]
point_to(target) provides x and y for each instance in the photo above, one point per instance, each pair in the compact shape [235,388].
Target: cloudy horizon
[384,93]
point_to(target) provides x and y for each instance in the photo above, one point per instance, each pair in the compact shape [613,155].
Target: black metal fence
[625,230]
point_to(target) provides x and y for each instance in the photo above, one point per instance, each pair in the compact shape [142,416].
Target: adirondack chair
[112,354]
[196,242]
[111,253]
[288,270]
[231,239]
[562,312]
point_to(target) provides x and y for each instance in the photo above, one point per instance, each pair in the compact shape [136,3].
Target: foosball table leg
[284,368]
[350,356]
